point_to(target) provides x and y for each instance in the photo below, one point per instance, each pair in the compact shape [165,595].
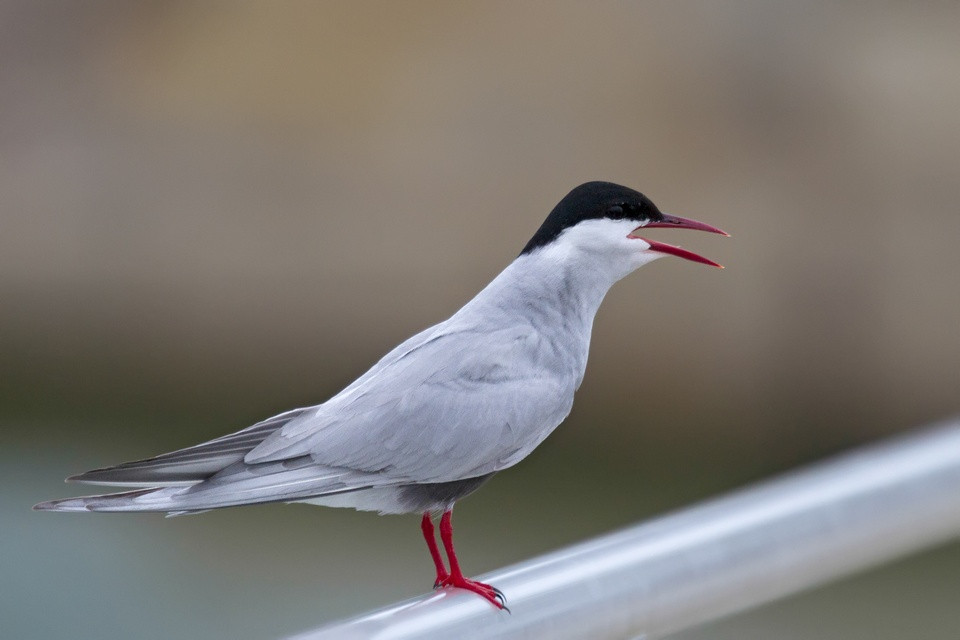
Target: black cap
[593,201]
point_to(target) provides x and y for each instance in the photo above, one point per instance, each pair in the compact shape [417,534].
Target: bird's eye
[616,211]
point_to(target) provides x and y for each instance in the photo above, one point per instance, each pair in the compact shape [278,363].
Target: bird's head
[604,220]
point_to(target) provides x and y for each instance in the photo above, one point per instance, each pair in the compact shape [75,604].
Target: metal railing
[729,554]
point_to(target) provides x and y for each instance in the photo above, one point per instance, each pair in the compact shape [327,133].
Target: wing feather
[192,464]
[459,403]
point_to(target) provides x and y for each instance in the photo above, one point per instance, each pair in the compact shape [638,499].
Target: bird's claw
[502,598]
[493,595]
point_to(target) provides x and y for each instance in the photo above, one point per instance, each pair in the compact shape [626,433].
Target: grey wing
[461,403]
[192,464]
[447,404]
[216,477]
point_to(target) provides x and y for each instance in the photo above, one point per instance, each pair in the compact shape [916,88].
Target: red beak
[676,222]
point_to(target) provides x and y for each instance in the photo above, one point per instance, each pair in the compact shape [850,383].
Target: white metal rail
[729,554]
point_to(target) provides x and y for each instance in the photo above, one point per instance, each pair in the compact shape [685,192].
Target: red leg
[456,578]
[426,525]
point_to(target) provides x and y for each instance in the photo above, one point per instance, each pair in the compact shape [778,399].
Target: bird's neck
[552,289]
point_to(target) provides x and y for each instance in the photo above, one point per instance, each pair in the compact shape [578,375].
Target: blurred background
[213,212]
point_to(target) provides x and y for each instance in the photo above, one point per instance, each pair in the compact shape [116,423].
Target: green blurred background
[212,212]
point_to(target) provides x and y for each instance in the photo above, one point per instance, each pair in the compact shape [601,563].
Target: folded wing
[190,465]
[460,404]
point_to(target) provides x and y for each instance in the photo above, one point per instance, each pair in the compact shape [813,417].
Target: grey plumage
[441,412]
[461,400]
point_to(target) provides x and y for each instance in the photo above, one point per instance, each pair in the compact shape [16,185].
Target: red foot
[493,595]
[454,577]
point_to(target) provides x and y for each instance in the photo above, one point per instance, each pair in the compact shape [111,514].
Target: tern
[440,414]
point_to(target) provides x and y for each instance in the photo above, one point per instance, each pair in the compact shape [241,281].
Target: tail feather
[139,500]
[239,484]
[214,475]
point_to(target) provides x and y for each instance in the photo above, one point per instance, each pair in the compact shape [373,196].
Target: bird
[441,413]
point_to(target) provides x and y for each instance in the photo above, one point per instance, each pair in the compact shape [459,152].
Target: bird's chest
[561,348]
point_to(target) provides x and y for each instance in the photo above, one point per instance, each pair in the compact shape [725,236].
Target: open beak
[676,222]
